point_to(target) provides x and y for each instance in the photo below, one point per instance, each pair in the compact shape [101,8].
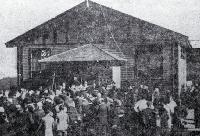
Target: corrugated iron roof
[88,52]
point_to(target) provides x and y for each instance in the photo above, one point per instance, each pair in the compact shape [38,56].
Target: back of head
[149,104]
[30,109]
[61,108]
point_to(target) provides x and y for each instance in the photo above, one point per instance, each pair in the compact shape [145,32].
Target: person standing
[156,98]
[49,123]
[62,121]
[197,108]
[2,120]
[170,110]
[163,120]
[39,114]
[149,120]
[103,118]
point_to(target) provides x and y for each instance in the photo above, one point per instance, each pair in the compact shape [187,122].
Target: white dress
[169,121]
[63,121]
[48,121]
[170,110]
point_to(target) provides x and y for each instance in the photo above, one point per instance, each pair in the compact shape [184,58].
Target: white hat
[58,92]
[31,92]
[46,91]
[2,109]
[49,100]
[18,106]
[99,95]
[65,109]
[6,93]
[18,94]
[39,104]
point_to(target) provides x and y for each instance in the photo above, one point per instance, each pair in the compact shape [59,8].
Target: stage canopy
[88,52]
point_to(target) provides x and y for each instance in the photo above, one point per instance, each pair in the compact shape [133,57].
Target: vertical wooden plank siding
[25,63]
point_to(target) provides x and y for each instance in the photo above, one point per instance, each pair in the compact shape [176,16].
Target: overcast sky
[18,16]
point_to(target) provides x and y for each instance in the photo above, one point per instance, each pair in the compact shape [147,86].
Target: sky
[19,16]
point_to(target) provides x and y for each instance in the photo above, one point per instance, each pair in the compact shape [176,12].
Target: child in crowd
[62,121]
[49,123]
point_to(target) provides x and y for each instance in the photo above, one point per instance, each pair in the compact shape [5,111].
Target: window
[35,55]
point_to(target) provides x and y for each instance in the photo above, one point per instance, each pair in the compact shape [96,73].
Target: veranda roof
[88,52]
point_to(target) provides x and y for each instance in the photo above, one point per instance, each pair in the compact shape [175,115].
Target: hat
[49,100]
[18,106]
[121,113]
[2,109]
[58,92]
[99,95]
[31,92]
[46,91]
[65,109]
[39,104]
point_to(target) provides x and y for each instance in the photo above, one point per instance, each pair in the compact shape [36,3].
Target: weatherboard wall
[99,24]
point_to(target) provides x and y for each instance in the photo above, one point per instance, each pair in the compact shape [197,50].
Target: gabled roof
[83,7]
[9,43]
[88,52]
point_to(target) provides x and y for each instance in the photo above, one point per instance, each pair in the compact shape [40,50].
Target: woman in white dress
[49,123]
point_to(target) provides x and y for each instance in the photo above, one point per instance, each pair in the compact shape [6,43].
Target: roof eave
[10,45]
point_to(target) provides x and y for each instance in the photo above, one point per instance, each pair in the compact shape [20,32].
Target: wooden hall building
[155,55]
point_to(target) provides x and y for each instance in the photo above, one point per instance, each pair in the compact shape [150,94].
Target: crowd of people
[84,110]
